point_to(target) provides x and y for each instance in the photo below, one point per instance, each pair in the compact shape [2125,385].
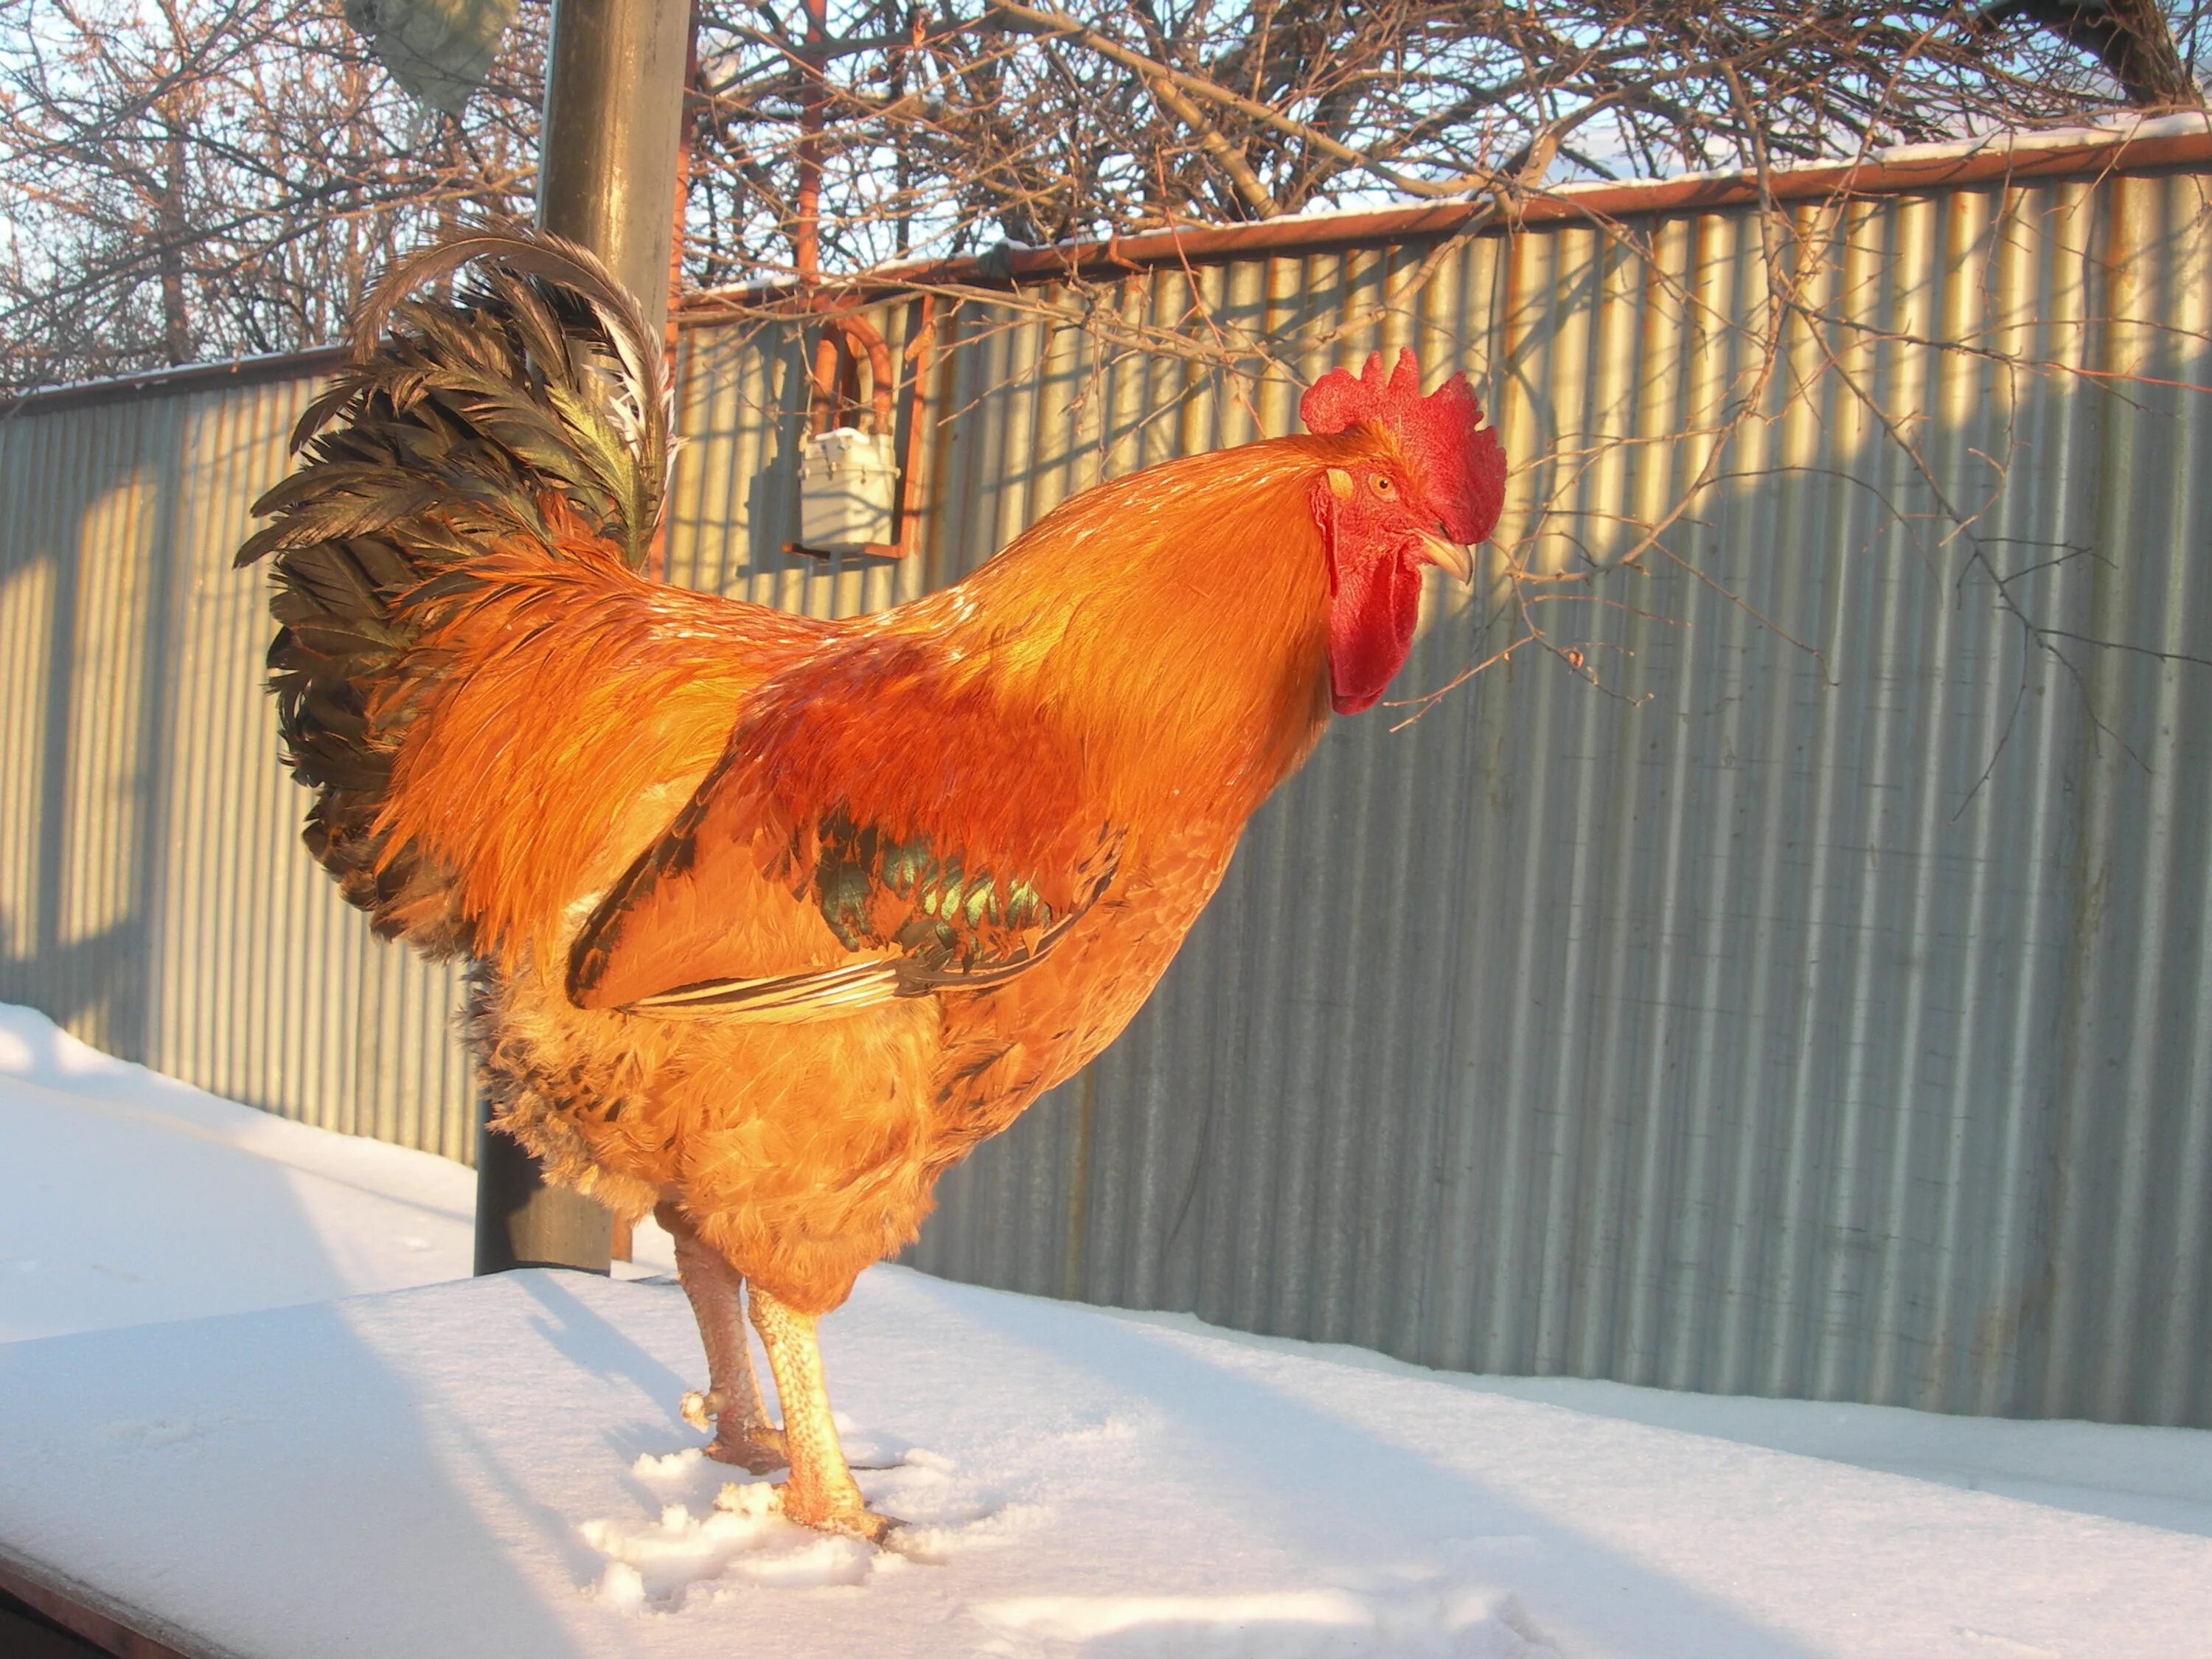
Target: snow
[130,1197]
[334,1455]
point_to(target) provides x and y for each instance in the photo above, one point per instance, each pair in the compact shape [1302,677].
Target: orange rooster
[771,920]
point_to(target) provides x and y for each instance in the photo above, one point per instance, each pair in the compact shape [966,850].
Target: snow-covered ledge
[496,1467]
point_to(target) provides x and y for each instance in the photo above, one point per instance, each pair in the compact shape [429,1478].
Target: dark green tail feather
[443,433]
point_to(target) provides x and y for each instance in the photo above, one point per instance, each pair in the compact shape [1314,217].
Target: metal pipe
[606,178]
[522,1222]
[861,340]
[614,103]
[687,133]
[919,353]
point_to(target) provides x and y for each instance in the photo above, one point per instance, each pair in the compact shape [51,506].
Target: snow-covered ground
[127,1197]
[239,1406]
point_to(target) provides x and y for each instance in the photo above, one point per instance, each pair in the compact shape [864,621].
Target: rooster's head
[1422,488]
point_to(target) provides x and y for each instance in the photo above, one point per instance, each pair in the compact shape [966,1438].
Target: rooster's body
[772,919]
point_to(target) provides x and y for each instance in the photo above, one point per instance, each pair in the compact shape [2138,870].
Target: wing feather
[850,850]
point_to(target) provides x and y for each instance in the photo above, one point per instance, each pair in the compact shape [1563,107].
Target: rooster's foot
[757,1447]
[758,1451]
[880,1530]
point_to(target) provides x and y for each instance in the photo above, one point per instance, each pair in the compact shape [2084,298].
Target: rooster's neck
[1174,625]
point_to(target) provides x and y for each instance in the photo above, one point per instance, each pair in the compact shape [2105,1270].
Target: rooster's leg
[743,1434]
[821,1491]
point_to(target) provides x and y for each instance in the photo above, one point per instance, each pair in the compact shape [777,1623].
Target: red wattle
[1373,605]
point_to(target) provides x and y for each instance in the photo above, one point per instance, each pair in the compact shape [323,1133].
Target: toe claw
[855,1520]
[881,1530]
[756,1447]
[751,1455]
[877,1530]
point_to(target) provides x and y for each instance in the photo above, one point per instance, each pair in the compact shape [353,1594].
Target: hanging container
[848,491]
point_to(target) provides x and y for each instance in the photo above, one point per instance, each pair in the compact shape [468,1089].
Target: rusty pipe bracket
[845,336]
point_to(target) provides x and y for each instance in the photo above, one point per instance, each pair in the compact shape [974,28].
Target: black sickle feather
[449,425]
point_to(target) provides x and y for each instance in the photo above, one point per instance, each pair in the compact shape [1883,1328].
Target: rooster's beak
[1448,557]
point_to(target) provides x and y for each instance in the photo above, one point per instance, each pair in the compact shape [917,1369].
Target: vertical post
[606,178]
[614,106]
[687,134]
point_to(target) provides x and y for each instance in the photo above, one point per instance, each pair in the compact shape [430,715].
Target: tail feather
[454,426]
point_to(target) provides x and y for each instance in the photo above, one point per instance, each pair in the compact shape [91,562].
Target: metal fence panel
[1827,1022]
[155,899]
[1819,1008]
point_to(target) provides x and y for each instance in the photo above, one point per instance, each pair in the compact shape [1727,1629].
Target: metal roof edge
[2144,145]
[185,378]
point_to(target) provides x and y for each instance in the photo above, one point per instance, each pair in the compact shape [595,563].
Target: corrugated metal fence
[1816,1007]
[154,897]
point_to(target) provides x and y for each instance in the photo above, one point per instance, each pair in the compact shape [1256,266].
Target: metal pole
[614,109]
[606,178]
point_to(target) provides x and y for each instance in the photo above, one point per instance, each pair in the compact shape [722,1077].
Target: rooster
[771,920]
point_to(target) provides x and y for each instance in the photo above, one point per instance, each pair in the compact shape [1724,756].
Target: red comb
[1442,435]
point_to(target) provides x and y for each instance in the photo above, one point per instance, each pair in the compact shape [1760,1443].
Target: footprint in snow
[1438,1623]
[743,1541]
[158,1431]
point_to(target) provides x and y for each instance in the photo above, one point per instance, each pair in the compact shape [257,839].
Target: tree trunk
[176,319]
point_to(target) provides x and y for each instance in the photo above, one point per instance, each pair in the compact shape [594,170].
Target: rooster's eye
[1384,486]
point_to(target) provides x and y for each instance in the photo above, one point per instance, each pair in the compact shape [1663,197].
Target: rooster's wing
[869,832]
